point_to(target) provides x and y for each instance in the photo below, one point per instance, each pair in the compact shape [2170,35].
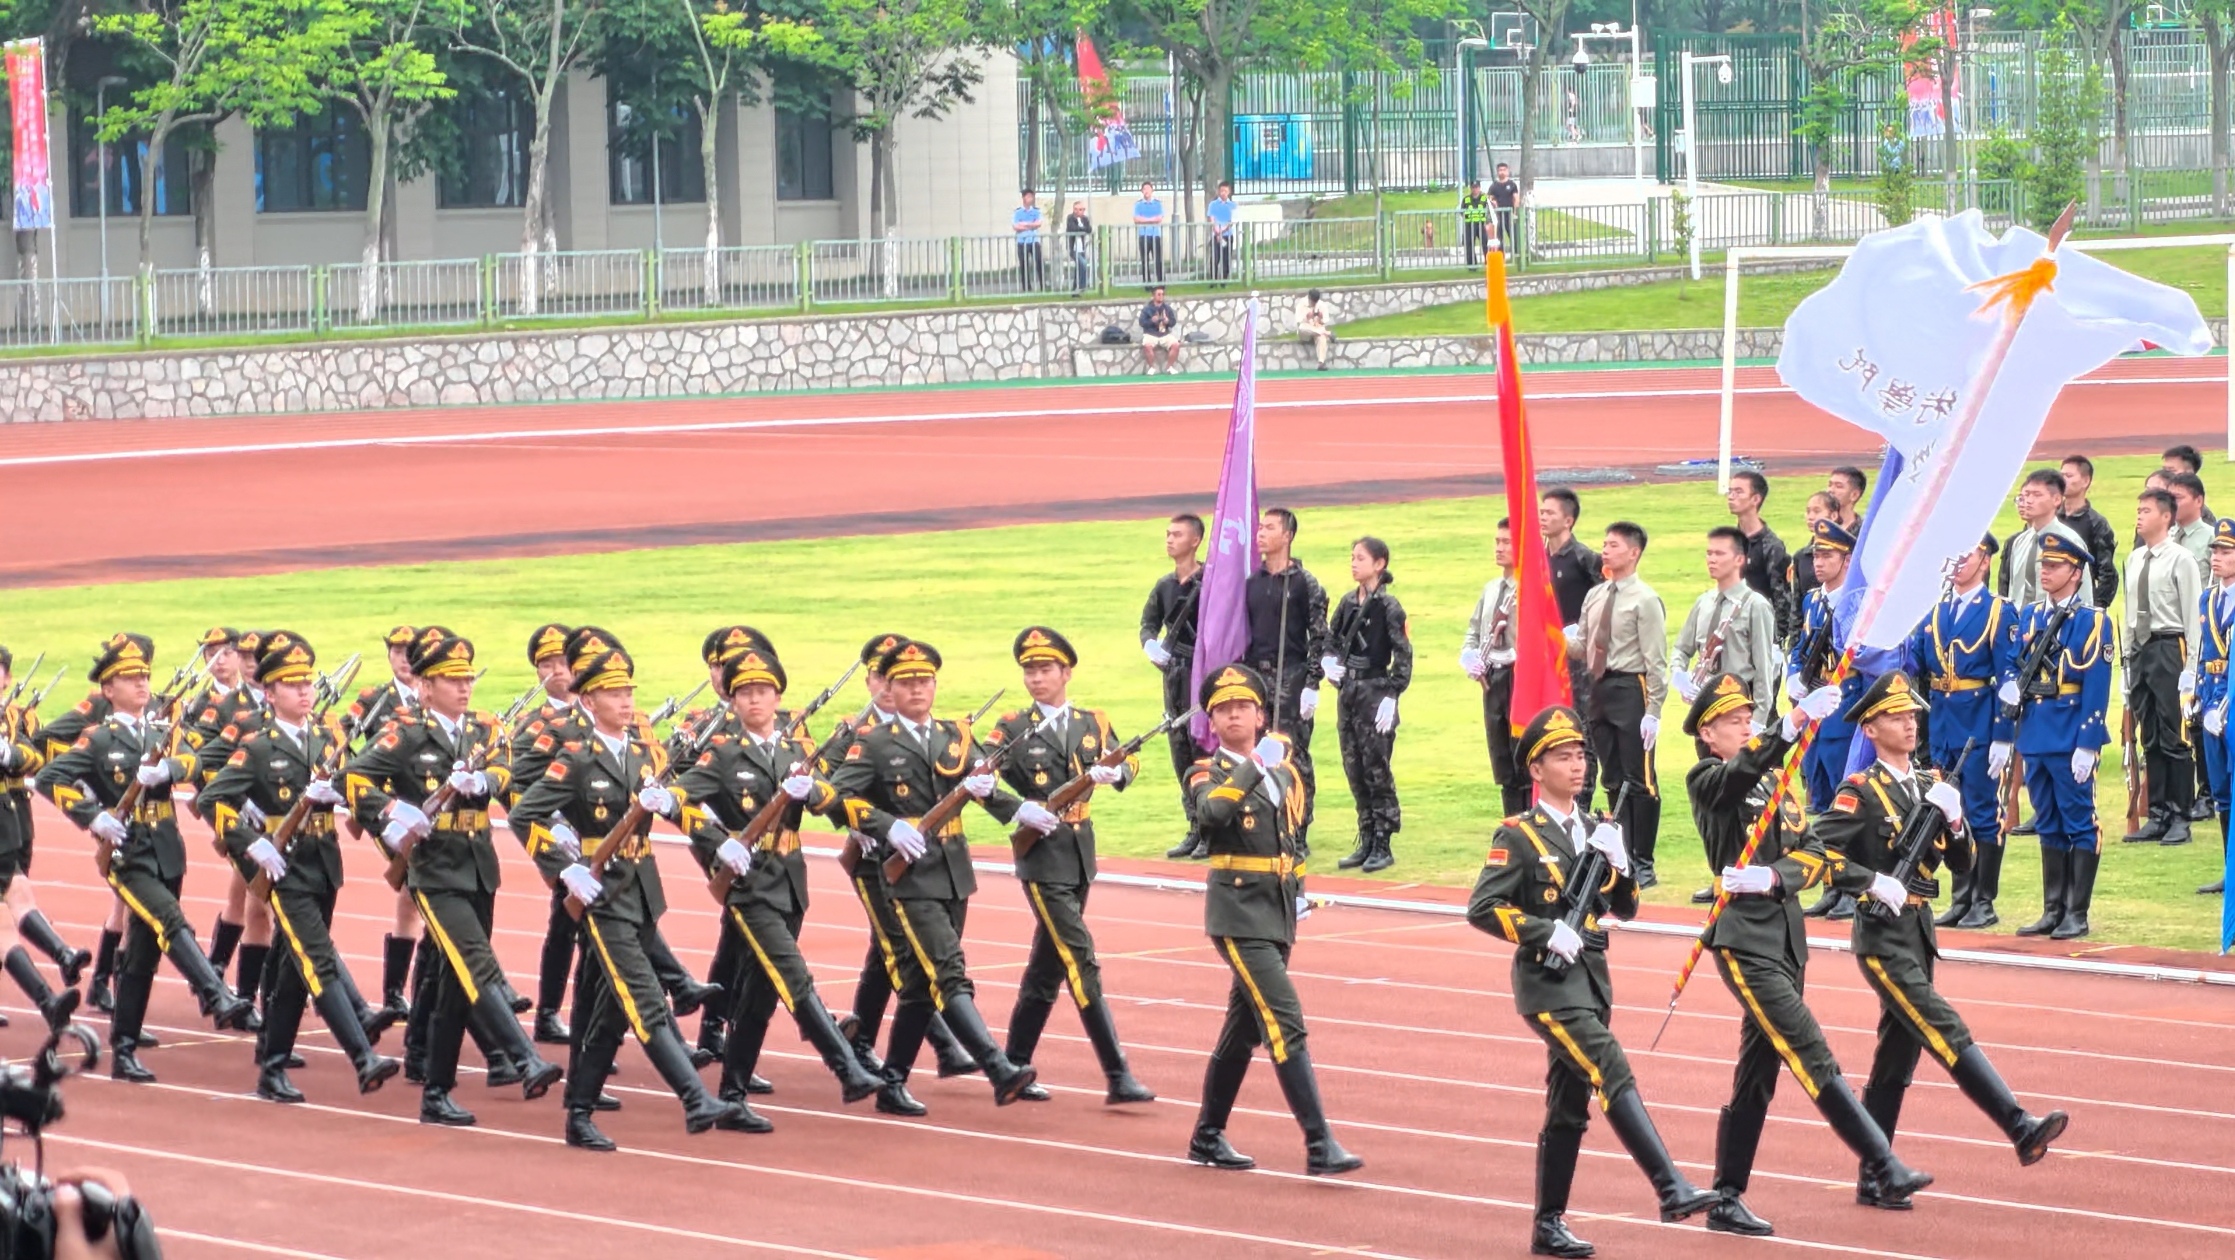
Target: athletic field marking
[239,1244]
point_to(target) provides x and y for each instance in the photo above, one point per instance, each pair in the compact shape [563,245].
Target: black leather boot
[55,1008]
[1959,902]
[1823,904]
[1184,849]
[1984,1086]
[550,1030]
[100,995]
[821,1031]
[1101,1032]
[494,1015]
[1738,1134]
[1222,1081]
[1323,1155]
[2219,885]
[864,1043]
[1381,859]
[272,1084]
[1027,1020]
[953,1059]
[1010,1080]
[373,1070]
[227,1009]
[33,927]
[741,1053]
[1986,885]
[2079,894]
[1357,856]
[909,1024]
[689,994]
[1890,1181]
[435,1107]
[395,975]
[2056,875]
[1556,1155]
[583,1134]
[124,1029]
[701,1109]
[1883,1105]
[1680,1199]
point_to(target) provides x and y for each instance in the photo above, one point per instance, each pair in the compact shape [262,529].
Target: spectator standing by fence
[1078,240]
[1159,331]
[1032,264]
[1148,234]
[1220,212]
[1506,196]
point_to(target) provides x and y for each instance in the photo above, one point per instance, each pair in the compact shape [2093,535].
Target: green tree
[1852,39]
[1551,17]
[1212,42]
[904,59]
[1897,178]
[386,75]
[1044,33]
[2066,132]
[2217,17]
[1377,44]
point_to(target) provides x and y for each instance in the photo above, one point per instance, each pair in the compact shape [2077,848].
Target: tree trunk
[157,137]
[204,167]
[711,267]
[1820,197]
[1532,73]
[1032,128]
[2119,158]
[1215,107]
[2219,45]
[532,216]
[1200,122]
[369,286]
[1948,140]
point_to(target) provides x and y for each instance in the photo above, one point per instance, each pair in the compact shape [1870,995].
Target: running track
[388,486]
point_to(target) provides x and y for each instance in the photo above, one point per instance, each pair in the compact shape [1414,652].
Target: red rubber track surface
[732,469]
[1426,1070]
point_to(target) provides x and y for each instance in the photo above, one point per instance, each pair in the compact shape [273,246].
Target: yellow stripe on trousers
[132,903]
[877,934]
[295,945]
[1931,1035]
[1582,1060]
[621,992]
[1761,1020]
[1062,951]
[1275,1043]
[449,949]
[923,957]
[783,991]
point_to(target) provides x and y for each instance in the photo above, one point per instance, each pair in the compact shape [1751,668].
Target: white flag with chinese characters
[1910,342]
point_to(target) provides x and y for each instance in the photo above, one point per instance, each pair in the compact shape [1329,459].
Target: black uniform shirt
[1575,570]
[1170,614]
[1306,620]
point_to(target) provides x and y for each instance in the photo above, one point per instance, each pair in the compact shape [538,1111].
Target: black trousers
[1477,237]
[1505,231]
[1584,1060]
[1617,707]
[155,921]
[1032,266]
[1777,1029]
[1222,257]
[1299,732]
[1152,259]
[1506,769]
[774,974]
[1580,682]
[1180,743]
[458,923]
[1366,753]
[1913,1017]
[932,928]
[1062,949]
[625,994]
[890,966]
[1262,1008]
[313,964]
[2154,693]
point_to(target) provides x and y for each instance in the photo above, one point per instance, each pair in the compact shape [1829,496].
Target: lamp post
[1613,32]
[1465,120]
[100,107]
[1722,64]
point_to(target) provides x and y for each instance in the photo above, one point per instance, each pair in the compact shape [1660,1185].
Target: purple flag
[1221,608]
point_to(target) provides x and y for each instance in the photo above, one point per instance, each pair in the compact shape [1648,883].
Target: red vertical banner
[27,102]
[1540,665]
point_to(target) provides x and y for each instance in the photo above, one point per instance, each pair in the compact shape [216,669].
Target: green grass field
[970,591]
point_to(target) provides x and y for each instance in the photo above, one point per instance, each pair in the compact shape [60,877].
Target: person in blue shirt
[1148,234]
[1815,654]
[2217,606]
[1026,222]
[1966,654]
[2061,730]
[1221,214]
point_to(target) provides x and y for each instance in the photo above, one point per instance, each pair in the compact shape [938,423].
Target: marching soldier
[147,859]
[230,702]
[2213,653]
[1966,653]
[1810,664]
[441,756]
[1896,949]
[766,903]
[1561,981]
[1622,636]
[728,968]
[401,956]
[1056,741]
[1369,660]
[1250,801]
[1761,947]
[52,739]
[2064,690]
[1732,629]
[547,656]
[892,774]
[1486,655]
[284,766]
[21,756]
[1168,639]
[582,797]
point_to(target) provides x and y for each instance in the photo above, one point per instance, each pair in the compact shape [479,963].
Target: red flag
[1540,665]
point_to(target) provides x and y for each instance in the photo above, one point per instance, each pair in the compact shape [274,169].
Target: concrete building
[297,197]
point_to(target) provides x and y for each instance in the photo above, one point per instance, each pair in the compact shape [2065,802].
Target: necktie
[2142,598]
[1602,635]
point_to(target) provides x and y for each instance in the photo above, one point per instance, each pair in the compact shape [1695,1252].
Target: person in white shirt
[2160,630]
[1314,323]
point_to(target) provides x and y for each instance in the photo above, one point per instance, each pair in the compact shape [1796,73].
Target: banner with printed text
[27,110]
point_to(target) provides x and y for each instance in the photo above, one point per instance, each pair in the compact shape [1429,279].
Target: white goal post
[1736,260]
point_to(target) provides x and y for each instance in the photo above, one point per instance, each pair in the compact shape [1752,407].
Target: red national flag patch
[1498,857]
[557,773]
[1846,802]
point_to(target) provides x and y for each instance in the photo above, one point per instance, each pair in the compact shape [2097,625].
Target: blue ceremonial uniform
[1965,649]
[2218,609]
[2054,723]
[1826,764]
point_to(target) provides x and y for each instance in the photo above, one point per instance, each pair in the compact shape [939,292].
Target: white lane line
[241,1244]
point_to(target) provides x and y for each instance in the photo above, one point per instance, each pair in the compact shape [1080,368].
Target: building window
[489,166]
[630,145]
[803,157]
[172,174]
[320,163]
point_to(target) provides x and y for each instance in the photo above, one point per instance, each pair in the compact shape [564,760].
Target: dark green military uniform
[52,739]
[20,761]
[1054,747]
[452,873]
[892,774]
[1251,807]
[561,954]
[368,713]
[148,865]
[1567,997]
[1761,950]
[730,966]
[1897,951]
[274,769]
[216,724]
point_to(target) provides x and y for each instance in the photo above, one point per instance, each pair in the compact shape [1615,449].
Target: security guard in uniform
[1056,742]
[453,870]
[2061,729]
[1896,949]
[892,773]
[582,796]
[1761,947]
[1810,664]
[731,781]
[1250,802]
[148,864]
[281,767]
[1522,896]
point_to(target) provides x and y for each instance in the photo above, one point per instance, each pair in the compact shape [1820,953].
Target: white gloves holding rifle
[154,774]
[1607,839]
[564,839]
[1037,817]
[906,840]
[1159,655]
[109,829]
[581,884]
[979,786]
[322,792]
[1887,891]
[1566,941]
[1308,703]
[1749,881]
[735,856]
[267,859]
[1106,776]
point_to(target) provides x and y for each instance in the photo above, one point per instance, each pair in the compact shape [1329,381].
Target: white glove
[1303,907]
[1385,715]
[1566,941]
[1607,839]
[2188,682]
[154,774]
[1037,817]
[2083,764]
[1332,666]
[268,858]
[1471,663]
[1949,801]
[109,828]
[2007,693]
[565,840]
[7,755]
[799,786]
[1269,751]
[1998,758]
[253,815]
[1687,686]
[1820,703]
[323,792]
[1106,775]
[979,786]
[734,856]
[1887,891]
[408,817]
[1308,703]
[1795,689]
[1749,881]
[468,782]
[1649,728]
[905,840]
[1498,658]
[581,884]
[657,797]
[1574,636]
[2215,720]
[1159,655]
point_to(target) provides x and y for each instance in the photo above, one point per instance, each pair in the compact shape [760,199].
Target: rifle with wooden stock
[445,797]
[329,690]
[162,741]
[636,818]
[720,880]
[949,807]
[849,853]
[1081,785]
